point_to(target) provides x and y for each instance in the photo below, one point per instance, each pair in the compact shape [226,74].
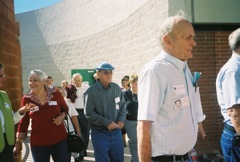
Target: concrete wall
[60,38]
[77,34]
[207,11]
[216,11]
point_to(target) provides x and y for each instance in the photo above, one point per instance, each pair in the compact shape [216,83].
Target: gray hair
[234,40]
[76,74]
[64,81]
[42,75]
[168,25]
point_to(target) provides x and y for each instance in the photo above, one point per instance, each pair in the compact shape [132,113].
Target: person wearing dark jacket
[104,108]
[131,105]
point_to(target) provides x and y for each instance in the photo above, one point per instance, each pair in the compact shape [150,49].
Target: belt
[230,128]
[171,158]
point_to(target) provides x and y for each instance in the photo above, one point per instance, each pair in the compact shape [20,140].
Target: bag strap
[67,125]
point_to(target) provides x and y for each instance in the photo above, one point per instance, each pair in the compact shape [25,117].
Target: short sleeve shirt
[165,101]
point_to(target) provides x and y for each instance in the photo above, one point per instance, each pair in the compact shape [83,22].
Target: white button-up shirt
[171,103]
[79,102]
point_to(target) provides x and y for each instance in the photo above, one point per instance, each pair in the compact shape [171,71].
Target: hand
[112,125]
[120,124]
[17,149]
[79,133]
[58,120]
[201,130]
[28,107]
[234,114]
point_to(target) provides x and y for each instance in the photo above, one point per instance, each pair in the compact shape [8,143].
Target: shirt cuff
[17,116]
[202,118]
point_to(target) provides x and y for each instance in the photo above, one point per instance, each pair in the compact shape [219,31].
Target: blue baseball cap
[104,66]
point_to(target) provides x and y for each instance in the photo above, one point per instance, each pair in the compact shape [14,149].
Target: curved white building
[77,34]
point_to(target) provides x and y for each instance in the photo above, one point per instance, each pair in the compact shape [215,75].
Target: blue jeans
[230,150]
[131,129]
[108,145]
[58,151]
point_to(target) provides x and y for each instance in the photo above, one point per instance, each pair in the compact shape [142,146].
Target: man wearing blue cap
[104,108]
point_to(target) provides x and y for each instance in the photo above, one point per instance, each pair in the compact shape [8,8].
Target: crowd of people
[160,111]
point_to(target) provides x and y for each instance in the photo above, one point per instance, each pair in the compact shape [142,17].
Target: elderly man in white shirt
[167,130]
[77,80]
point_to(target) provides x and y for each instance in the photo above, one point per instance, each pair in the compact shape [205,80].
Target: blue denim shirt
[103,106]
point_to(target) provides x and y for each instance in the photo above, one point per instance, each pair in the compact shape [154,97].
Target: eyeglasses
[3,76]
[105,72]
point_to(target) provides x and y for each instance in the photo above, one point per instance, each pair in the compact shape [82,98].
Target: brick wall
[210,54]
[10,54]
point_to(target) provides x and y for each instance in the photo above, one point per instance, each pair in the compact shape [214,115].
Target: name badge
[178,104]
[117,106]
[179,89]
[51,103]
[7,105]
[181,103]
[117,99]
[185,101]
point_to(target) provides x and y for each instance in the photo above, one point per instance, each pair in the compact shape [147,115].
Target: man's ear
[167,42]
[238,50]
[98,73]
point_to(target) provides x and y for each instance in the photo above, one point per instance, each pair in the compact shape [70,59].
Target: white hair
[42,75]
[168,25]
[234,40]
[76,74]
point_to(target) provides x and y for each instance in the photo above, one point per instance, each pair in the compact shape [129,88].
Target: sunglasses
[2,76]
[105,72]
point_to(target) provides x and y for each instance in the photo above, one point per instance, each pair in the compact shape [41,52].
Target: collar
[100,86]
[173,60]
[235,57]
[49,94]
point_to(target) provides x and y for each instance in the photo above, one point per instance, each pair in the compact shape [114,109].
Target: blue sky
[29,5]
